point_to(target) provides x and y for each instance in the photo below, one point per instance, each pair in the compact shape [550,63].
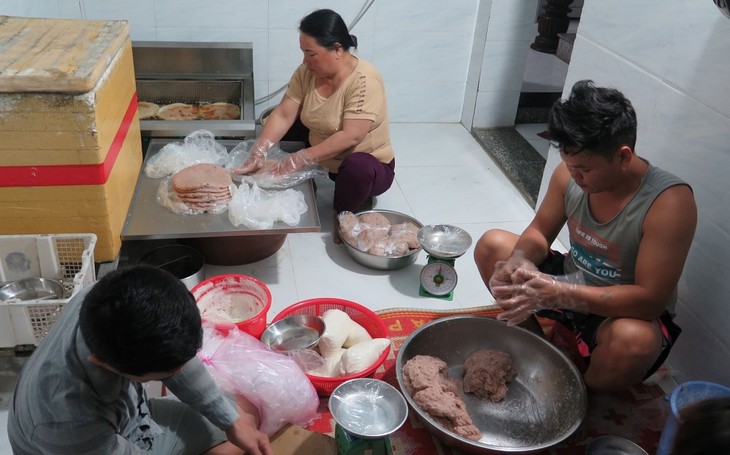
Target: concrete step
[533,107]
[519,161]
[565,46]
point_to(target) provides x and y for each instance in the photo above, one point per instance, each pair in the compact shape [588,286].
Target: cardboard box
[70,144]
[294,440]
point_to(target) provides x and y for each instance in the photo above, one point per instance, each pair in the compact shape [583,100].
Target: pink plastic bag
[272,382]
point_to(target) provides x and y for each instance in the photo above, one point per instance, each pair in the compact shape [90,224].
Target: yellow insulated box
[70,145]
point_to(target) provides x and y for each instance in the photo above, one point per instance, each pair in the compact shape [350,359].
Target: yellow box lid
[56,55]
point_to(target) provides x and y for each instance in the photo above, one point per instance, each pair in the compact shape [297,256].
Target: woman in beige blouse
[340,98]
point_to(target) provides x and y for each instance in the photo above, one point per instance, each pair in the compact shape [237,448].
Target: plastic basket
[683,395]
[68,258]
[247,288]
[358,313]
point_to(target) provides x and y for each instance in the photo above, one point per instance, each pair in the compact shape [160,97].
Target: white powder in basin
[226,306]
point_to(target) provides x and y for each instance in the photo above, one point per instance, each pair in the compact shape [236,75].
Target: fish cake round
[202,176]
[219,111]
[147,110]
[178,111]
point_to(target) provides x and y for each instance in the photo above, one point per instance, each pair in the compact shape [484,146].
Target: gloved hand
[290,164]
[533,291]
[256,158]
[504,270]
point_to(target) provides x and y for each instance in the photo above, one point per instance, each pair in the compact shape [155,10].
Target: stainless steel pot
[185,262]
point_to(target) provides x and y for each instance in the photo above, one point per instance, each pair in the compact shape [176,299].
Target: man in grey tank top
[631,225]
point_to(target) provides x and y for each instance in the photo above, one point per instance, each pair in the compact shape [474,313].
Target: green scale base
[348,444]
[424,293]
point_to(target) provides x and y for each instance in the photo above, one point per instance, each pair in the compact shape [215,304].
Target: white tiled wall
[421,48]
[671,58]
[510,29]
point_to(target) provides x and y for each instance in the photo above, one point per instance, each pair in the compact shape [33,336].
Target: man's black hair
[597,120]
[141,320]
[328,29]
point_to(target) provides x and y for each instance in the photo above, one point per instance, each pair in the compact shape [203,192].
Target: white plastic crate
[68,258]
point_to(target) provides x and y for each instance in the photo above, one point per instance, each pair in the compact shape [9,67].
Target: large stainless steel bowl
[31,289]
[386,262]
[545,403]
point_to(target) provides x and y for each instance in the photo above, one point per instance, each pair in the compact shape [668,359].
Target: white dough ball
[331,367]
[362,355]
[337,328]
[358,334]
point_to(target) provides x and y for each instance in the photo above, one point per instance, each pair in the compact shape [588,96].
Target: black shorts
[585,325]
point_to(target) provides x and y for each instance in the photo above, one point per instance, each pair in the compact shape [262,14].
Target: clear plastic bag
[273,382]
[198,147]
[260,209]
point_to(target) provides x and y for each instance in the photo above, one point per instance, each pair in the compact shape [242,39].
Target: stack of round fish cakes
[203,187]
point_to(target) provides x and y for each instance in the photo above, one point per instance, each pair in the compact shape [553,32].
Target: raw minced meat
[438,395]
[487,372]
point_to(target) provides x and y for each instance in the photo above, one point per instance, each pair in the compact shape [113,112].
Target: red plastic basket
[234,283]
[358,313]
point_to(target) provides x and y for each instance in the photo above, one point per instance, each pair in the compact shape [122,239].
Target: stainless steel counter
[147,219]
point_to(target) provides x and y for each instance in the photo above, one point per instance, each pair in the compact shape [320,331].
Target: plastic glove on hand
[292,163]
[503,274]
[534,291]
[256,158]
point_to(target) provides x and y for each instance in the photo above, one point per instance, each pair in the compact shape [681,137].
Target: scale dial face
[438,278]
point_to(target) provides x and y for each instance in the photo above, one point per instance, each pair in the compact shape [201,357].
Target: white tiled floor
[443,176]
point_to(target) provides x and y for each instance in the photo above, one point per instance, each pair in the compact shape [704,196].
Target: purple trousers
[359,177]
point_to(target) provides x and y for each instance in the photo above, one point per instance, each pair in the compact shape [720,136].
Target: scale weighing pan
[444,240]
[368,408]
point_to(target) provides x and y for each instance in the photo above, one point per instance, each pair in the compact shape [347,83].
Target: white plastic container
[68,258]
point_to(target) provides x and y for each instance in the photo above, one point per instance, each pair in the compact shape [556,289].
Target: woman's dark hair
[328,29]
[594,119]
[141,320]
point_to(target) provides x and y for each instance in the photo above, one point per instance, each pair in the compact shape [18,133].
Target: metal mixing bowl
[293,333]
[613,445]
[386,262]
[30,289]
[185,262]
[545,403]
[368,408]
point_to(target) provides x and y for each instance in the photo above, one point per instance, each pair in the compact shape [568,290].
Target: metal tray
[148,220]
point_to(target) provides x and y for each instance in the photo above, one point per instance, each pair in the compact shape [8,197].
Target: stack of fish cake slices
[203,187]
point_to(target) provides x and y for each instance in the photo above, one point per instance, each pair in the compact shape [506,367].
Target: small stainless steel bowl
[386,262]
[444,240]
[368,408]
[613,445]
[293,333]
[30,289]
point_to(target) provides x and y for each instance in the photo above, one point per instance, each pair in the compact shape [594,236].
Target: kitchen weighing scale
[443,243]
[367,412]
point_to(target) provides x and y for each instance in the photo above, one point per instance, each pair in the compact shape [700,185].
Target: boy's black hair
[597,120]
[328,29]
[141,320]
